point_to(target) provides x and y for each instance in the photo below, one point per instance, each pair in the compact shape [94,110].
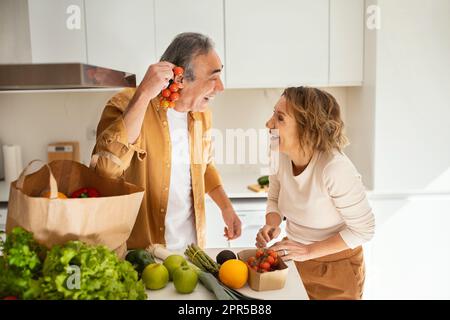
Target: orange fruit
[233,273]
[60,195]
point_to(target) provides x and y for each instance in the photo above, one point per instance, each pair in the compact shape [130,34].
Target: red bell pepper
[85,193]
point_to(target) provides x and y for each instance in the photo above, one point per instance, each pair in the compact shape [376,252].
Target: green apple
[173,262]
[185,279]
[155,276]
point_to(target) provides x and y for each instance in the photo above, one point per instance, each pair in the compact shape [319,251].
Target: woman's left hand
[292,250]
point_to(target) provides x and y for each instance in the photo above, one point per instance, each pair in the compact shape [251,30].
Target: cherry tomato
[262,270]
[251,260]
[174,96]
[270,260]
[259,253]
[265,265]
[174,87]
[178,71]
[171,104]
[166,93]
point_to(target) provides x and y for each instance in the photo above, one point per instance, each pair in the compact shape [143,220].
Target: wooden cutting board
[257,188]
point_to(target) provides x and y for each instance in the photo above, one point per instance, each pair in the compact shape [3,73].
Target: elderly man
[157,148]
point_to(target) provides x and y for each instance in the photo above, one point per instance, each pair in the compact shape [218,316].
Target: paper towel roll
[12,162]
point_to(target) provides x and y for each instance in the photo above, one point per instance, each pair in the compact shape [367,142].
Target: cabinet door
[276,43]
[57,31]
[346,42]
[121,34]
[214,226]
[177,16]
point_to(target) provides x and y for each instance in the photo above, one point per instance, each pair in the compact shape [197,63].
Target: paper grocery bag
[106,220]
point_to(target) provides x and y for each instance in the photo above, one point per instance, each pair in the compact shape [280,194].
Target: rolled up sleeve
[112,153]
[349,197]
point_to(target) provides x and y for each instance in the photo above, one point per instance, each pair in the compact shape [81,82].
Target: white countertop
[235,185]
[293,289]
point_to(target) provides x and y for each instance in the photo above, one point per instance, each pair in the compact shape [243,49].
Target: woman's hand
[292,250]
[265,234]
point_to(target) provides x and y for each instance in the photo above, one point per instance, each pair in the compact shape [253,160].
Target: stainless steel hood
[61,76]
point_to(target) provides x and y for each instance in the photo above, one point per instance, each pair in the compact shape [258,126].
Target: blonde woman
[319,192]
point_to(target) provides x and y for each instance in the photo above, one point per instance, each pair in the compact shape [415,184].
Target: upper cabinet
[263,44]
[346,42]
[276,43]
[121,34]
[204,16]
[57,31]
[293,42]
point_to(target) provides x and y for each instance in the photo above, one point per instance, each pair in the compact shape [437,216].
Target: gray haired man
[155,147]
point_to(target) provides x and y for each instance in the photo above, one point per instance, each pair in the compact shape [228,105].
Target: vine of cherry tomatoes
[265,260]
[171,94]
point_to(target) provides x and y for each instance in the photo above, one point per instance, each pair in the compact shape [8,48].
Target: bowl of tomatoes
[266,270]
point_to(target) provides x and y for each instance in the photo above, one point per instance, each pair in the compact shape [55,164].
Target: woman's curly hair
[318,118]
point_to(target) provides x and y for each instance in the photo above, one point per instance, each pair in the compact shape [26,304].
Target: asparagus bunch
[199,258]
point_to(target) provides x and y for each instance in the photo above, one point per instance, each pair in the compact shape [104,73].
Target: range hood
[47,76]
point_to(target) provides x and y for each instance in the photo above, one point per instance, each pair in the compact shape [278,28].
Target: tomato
[262,270]
[259,253]
[174,87]
[171,104]
[166,93]
[174,96]
[270,260]
[265,265]
[10,298]
[178,71]
[251,260]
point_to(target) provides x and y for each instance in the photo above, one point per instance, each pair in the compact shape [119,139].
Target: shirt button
[166,188]
[161,228]
[162,209]
[164,123]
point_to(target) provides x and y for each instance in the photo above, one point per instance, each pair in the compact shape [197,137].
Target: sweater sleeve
[272,195]
[347,192]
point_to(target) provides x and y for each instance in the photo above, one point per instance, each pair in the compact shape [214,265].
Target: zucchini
[263,181]
[139,258]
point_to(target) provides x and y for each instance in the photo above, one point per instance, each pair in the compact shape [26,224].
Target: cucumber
[139,258]
[263,181]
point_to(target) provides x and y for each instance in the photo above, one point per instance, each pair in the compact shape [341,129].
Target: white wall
[412,135]
[360,118]
[32,120]
[250,109]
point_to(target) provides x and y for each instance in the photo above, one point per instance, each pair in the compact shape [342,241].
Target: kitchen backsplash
[35,119]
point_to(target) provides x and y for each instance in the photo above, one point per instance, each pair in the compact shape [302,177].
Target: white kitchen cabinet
[176,16]
[121,35]
[276,43]
[57,31]
[3,212]
[346,42]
